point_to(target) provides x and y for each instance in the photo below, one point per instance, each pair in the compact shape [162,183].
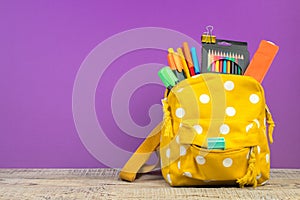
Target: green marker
[168,77]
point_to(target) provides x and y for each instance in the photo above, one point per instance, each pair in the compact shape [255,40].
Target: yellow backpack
[213,133]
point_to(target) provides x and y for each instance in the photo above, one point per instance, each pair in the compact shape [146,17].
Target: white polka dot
[188,174]
[267,158]
[227,162]
[258,149]
[168,153]
[178,164]
[248,127]
[198,129]
[230,111]
[228,85]
[180,112]
[258,176]
[177,139]
[200,160]
[169,178]
[182,151]
[224,129]
[254,98]
[257,123]
[180,90]
[204,98]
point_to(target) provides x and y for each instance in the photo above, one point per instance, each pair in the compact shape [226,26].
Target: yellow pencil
[170,50]
[217,66]
[184,65]
[228,66]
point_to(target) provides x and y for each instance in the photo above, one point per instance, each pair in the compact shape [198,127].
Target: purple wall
[44,43]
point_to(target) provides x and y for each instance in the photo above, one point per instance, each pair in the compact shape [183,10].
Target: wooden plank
[104,184]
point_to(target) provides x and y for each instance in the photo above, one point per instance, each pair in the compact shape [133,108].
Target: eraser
[216,143]
[262,60]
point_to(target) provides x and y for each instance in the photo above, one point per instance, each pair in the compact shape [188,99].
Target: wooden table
[104,184]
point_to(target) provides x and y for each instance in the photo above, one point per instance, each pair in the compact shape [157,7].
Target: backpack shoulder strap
[136,164]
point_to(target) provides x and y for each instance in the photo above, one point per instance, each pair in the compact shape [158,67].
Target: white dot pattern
[188,174]
[169,178]
[267,158]
[177,139]
[168,153]
[257,122]
[198,129]
[227,162]
[258,176]
[229,85]
[200,160]
[182,151]
[254,98]
[230,111]
[258,149]
[224,129]
[180,90]
[204,98]
[248,127]
[180,112]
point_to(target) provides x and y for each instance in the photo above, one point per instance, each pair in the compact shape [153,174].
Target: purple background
[43,43]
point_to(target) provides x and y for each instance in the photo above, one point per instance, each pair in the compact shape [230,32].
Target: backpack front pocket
[211,165]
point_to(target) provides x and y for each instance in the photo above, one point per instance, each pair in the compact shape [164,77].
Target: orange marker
[175,64]
[183,62]
[171,62]
[262,60]
[188,57]
[173,67]
[176,59]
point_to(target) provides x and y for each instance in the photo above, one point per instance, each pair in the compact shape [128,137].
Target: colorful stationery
[168,77]
[208,37]
[184,64]
[172,65]
[262,60]
[224,56]
[188,57]
[177,63]
[216,143]
[195,60]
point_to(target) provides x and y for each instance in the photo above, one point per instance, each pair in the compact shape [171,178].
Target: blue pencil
[195,60]
[224,66]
